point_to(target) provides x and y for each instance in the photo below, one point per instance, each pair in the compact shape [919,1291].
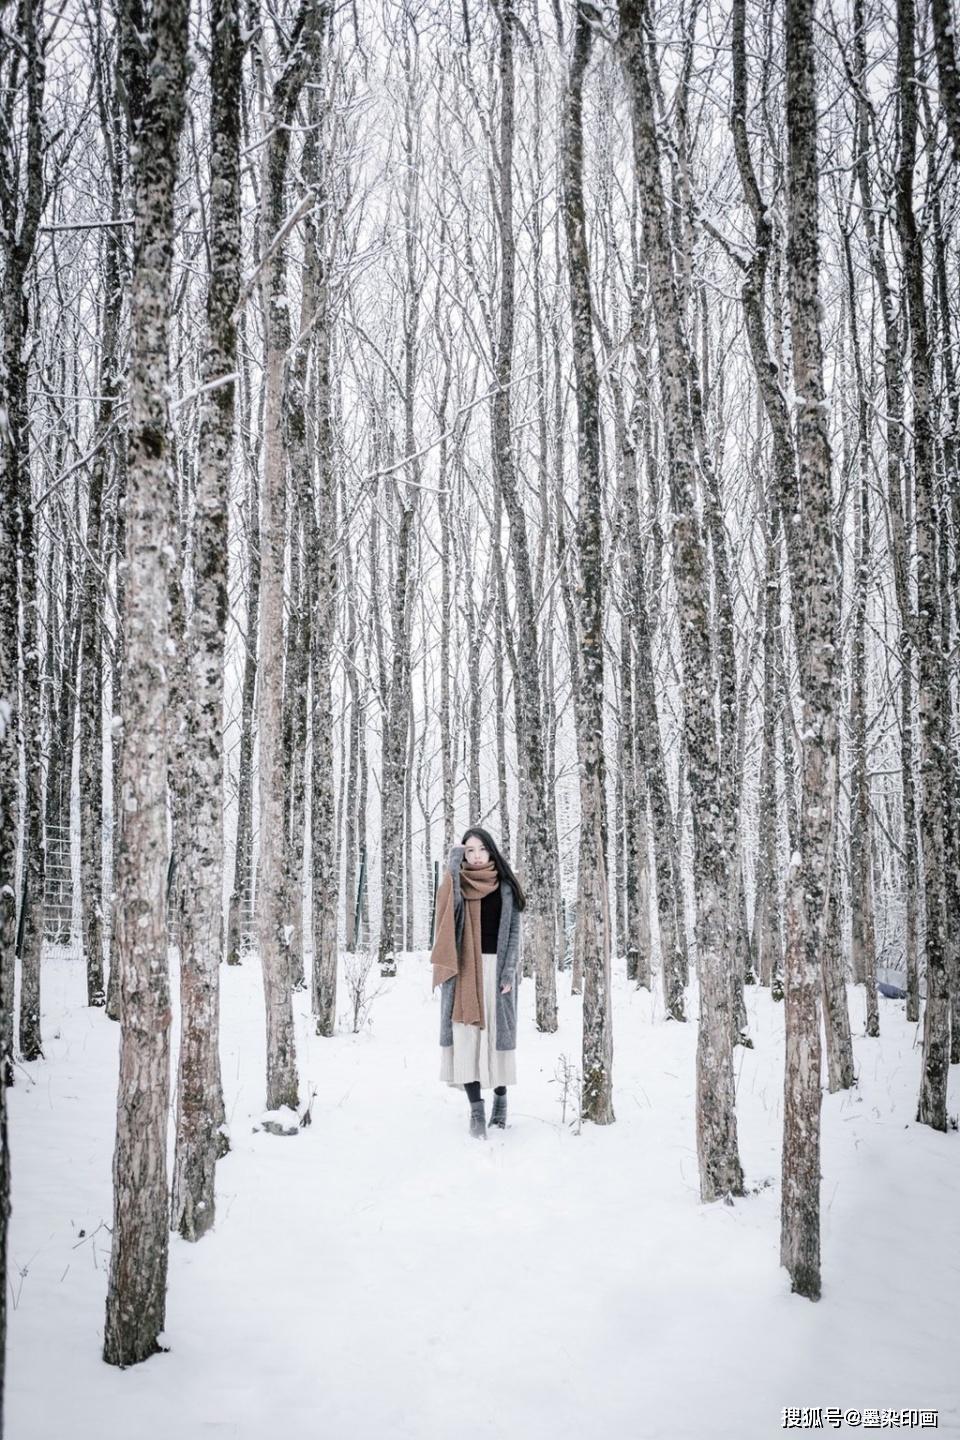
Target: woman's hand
[505,989]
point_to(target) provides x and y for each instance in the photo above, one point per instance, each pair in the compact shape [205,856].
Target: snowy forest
[479,413]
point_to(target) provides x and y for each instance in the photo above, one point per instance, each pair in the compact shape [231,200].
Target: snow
[385,1277]
[282,1121]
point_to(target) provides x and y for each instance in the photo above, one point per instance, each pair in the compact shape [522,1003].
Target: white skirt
[474,1054]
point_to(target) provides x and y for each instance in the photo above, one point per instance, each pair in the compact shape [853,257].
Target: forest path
[383,1276]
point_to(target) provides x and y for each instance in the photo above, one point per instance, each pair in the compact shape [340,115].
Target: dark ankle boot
[478,1120]
[498,1115]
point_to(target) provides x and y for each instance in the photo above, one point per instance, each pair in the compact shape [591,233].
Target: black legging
[473,1090]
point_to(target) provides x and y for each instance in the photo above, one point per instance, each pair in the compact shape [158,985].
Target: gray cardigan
[508,945]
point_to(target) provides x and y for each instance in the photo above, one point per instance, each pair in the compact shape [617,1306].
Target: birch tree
[720,1170]
[136,1296]
[200,1111]
[394,791]
[814,596]
[592,888]
[21,203]
[934,763]
[537,856]
[273,922]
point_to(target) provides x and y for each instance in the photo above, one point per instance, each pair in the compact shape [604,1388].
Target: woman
[475,961]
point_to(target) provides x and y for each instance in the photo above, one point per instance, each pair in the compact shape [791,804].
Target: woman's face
[475,852]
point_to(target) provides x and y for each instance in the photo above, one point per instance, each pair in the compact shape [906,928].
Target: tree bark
[201,1118]
[767,932]
[899,538]
[394,746]
[91,663]
[4,1209]
[354,724]
[944,35]
[296,677]
[240,905]
[813,588]
[325,887]
[592,887]
[863,928]
[136,1296]
[19,229]
[537,859]
[934,769]
[21,218]
[720,1169]
[60,684]
[666,849]
[96,568]
[273,919]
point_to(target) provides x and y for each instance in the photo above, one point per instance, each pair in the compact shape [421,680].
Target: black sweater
[490,907]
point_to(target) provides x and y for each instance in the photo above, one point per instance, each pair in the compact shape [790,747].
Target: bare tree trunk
[633,862]
[767,365]
[475,619]
[325,870]
[446,743]
[502,642]
[836,1012]
[377,647]
[506,637]
[666,850]
[767,935]
[132,85]
[272,917]
[95,581]
[201,1117]
[949,509]
[136,1297]
[537,860]
[932,1108]
[394,746]
[4,1193]
[354,725]
[395,795]
[899,537]
[17,236]
[636,837]
[250,397]
[241,892]
[119,546]
[863,930]
[30,926]
[60,684]
[91,665]
[364,892]
[723,648]
[618,940]
[833,970]
[177,683]
[296,676]
[408,777]
[944,35]
[8,843]
[21,217]
[720,1170]
[814,596]
[592,888]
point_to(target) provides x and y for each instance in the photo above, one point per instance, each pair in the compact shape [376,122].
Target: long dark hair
[501,865]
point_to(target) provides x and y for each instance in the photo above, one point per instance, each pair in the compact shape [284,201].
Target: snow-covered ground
[382,1276]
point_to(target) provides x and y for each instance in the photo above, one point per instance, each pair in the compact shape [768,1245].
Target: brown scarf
[476,881]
